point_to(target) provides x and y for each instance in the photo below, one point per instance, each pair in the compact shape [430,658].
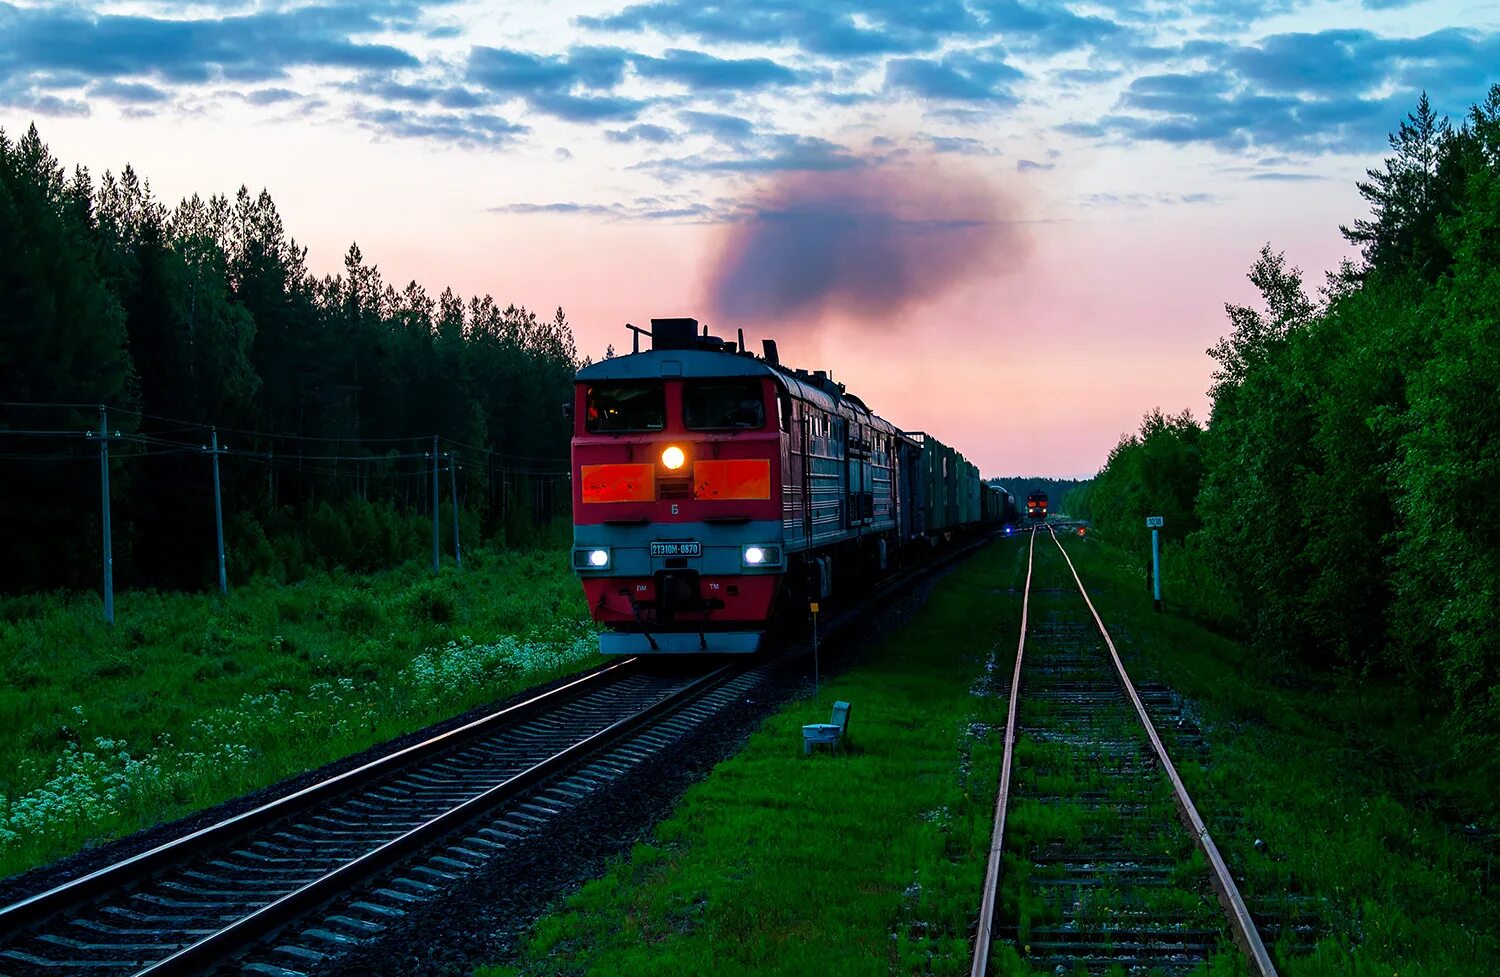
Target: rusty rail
[1240,923]
[985,935]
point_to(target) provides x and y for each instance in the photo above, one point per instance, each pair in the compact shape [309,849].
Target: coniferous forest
[326,391]
[1342,504]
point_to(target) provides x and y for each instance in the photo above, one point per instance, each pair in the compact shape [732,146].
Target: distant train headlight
[673,457]
[596,558]
[758,555]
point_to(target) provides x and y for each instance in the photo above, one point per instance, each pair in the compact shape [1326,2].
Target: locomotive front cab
[677,500]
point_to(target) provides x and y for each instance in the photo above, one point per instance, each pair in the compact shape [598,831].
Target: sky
[1011,224]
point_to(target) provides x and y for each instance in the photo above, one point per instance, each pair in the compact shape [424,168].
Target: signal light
[673,457]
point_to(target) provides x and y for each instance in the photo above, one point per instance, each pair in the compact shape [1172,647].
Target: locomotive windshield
[613,407]
[738,402]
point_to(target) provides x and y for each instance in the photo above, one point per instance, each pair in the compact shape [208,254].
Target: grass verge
[191,699]
[862,862]
[1323,795]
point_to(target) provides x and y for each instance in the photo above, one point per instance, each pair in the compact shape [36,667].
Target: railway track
[291,886]
[1111,869]
[190,905]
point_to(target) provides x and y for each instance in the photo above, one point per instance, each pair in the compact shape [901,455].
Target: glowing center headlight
[673,457]
[598,558]
[754,555]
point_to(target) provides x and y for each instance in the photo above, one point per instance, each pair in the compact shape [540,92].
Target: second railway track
[1110,869]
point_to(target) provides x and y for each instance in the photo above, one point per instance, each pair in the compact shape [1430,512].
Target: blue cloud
[30,99]
[586,108]
[479,129]
[1280,177]
[642,209]
[841,28]
[730,129]
[963,77]
[272,96]
[771,154]
[1048,28]
[704,72]
[961,145]
[248,47]
[561,86]
[1335,90]
[132,92]
[419,93]
[641,132]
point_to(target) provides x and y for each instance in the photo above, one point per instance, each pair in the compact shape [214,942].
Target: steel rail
[985,935]
[1241,925]
[21,916]
[226,942]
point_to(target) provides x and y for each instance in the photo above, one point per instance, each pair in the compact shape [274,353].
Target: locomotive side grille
[674,488]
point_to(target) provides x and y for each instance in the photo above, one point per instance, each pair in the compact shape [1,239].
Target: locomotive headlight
[673,457]
[758,555]
[592,559]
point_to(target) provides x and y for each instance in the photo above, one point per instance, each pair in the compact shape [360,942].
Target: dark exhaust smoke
[869,242]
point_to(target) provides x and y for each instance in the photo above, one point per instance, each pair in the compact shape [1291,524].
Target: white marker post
[1154,523]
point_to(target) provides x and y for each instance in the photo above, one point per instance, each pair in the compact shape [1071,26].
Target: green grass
[1338,781]
[864,862]
[192,699]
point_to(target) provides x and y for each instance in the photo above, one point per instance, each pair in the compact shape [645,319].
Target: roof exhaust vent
[674,333]
[769,347]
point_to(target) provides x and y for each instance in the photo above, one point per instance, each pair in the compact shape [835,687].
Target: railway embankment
[194,700]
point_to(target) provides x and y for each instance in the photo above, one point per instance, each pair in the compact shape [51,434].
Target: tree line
[204,315]
[1342,504]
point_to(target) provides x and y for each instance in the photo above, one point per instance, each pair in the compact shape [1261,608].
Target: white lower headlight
[760,555]
[598,559]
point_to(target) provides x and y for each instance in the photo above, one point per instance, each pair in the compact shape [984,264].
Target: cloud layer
[703,90]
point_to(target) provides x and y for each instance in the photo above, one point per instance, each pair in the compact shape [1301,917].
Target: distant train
[1036,505]
[714,488]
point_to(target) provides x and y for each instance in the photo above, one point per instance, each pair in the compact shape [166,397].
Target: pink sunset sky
[602,156]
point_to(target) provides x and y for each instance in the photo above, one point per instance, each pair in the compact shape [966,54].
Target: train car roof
[689,363]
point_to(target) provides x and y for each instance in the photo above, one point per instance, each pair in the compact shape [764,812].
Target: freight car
[713,486]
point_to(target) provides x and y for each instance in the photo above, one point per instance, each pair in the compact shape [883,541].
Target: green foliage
[206,313]
[194,699]
[1342,504]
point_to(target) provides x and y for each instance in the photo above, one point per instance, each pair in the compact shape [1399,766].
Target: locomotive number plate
[690,548]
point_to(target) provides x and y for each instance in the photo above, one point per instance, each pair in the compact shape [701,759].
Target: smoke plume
[869,242]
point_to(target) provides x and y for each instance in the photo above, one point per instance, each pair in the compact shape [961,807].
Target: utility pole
[435,557]
[109,553]
[458,554]
[214,452]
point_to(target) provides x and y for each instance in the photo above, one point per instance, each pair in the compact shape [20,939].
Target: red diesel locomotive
[711,485]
